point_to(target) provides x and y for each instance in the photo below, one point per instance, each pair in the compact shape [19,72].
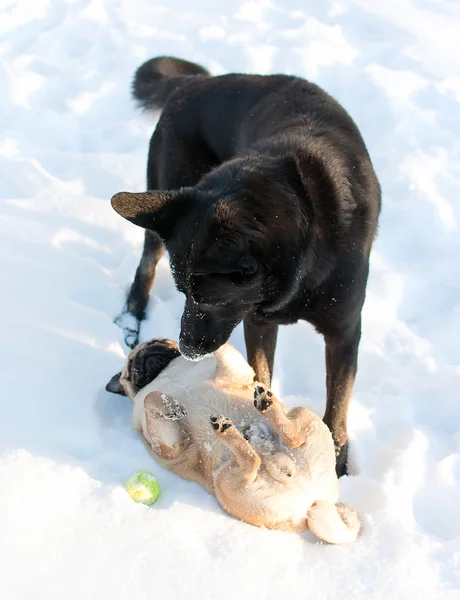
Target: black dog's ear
[296,170]
[157,211]
[115,386]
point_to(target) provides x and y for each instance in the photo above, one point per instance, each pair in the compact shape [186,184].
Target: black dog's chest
[328,308]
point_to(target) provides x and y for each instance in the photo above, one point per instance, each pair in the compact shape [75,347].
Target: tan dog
[268,466]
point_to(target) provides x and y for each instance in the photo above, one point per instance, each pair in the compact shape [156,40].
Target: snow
[71,138]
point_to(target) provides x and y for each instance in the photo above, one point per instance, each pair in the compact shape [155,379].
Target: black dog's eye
[236,277]
[240,277]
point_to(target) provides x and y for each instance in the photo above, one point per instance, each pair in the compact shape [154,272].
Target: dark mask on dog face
[146,363]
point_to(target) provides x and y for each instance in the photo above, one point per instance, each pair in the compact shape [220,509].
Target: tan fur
[267,465]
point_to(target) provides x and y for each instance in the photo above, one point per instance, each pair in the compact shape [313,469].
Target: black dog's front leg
[260,347]
[341,367]
[139,293]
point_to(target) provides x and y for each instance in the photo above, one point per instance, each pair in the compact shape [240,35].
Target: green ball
[143,487]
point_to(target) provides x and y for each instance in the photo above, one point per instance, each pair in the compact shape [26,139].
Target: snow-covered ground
[70,138]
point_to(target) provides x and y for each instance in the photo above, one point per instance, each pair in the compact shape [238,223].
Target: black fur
[150,86]
[114,386]
[268,208]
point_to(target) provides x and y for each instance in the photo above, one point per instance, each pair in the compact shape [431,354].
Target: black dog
[268,209]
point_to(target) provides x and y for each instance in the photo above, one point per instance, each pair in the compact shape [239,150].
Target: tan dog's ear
[115,386]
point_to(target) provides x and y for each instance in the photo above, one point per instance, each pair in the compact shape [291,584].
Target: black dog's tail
[159,77]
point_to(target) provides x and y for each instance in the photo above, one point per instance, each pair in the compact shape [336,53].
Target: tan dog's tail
[334,523]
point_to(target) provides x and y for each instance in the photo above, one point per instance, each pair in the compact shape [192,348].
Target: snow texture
[71,138]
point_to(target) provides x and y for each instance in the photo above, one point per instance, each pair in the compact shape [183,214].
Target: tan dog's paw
[173,410]
[221,424]
[262,398]
[164,406]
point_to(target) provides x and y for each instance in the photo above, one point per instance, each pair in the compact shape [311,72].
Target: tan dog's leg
[334,523]
[231,438]
[163,428]
[293,426]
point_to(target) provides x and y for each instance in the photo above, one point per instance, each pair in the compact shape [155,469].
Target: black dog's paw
[341,461]
[262,398]
[131,338]
[221,424]
[131,328]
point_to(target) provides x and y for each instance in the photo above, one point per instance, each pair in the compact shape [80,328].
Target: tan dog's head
[144,363]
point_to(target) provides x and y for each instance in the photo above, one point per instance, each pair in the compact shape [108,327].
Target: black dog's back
[234,111]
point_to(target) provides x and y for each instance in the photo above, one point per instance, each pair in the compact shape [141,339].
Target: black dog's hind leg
[139,293]
[341,367]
